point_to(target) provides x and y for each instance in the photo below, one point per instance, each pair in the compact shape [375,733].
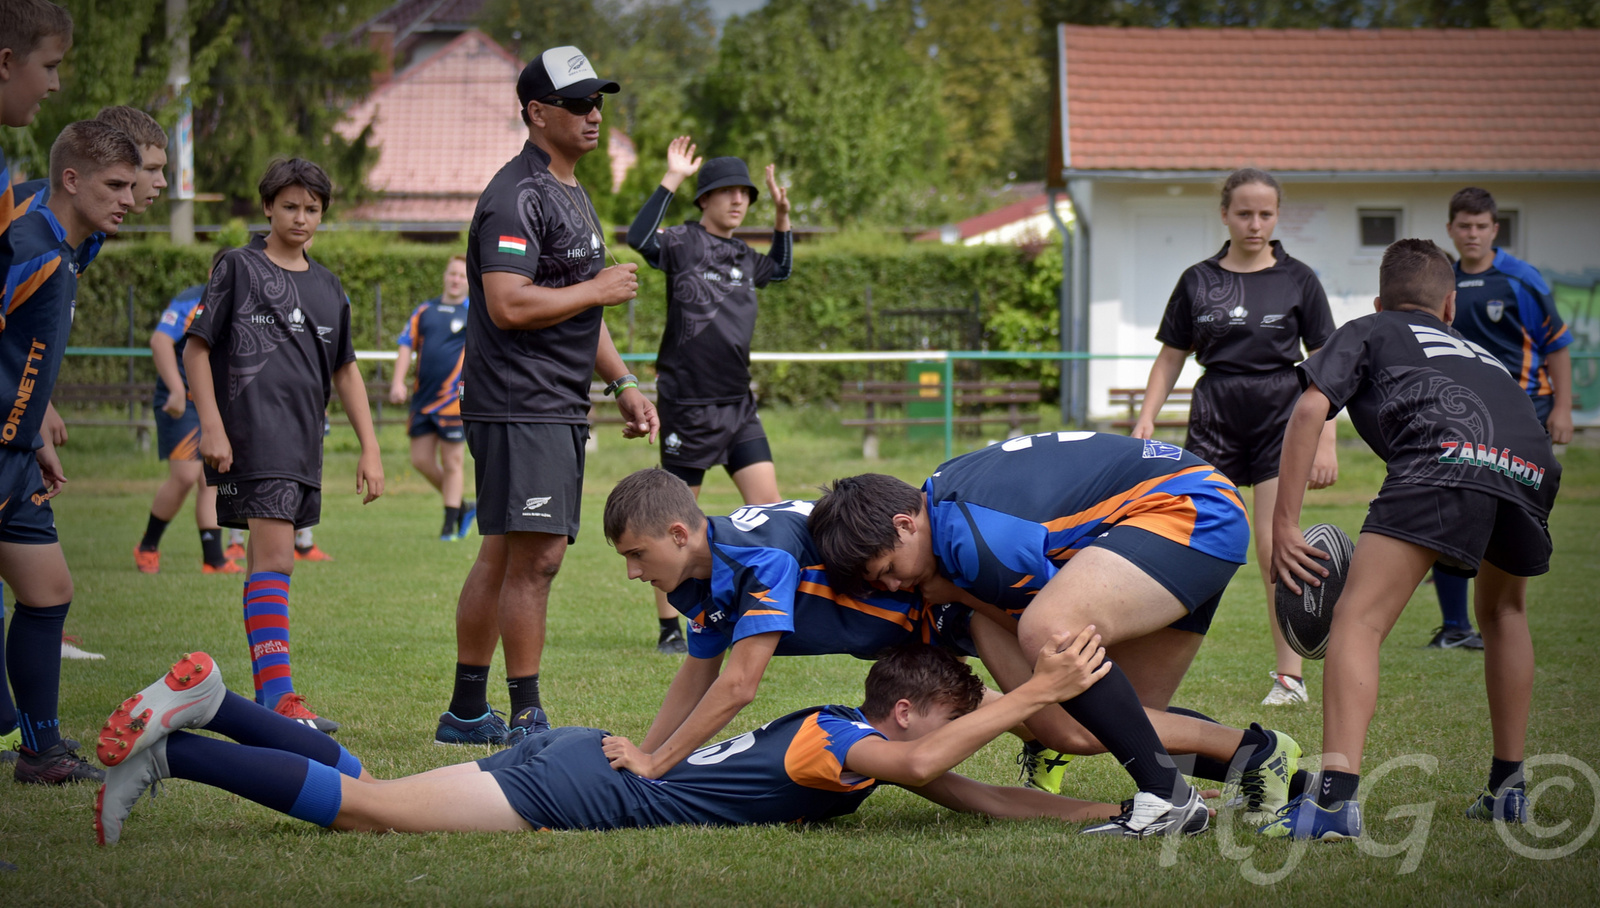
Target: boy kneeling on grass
[1471,479]
[921,718]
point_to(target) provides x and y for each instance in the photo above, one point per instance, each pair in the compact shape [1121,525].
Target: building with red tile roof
[1369,131]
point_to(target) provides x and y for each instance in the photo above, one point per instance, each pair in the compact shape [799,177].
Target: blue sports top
[32,195]
[41,290]
[766,575]
[1509,311]
[1007,517]
[788,771]
[174,323]
[436,333]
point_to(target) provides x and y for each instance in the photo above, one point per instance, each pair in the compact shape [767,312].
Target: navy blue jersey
[34,194]
[41,291]
[1508,310]
[1007,517]
[766,575]
[436,334]
[174,323]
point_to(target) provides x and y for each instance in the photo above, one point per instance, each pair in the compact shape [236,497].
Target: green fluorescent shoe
[1510,807]
[1042,768]
[1263,791]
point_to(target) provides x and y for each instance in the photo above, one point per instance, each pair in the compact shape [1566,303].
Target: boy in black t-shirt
[271,340]
[1471,479]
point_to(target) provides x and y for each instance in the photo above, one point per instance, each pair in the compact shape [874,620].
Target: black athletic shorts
[950,626]
[25,514]
[1236,422]
[697,437]
[1464,526]
[529,476]
[448,428]
[1195,578]
[269,499]
[178,437]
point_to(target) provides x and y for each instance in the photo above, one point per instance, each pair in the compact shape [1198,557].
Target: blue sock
[285,782]
[33,659]
[266,624]
[256,726]
[8,710]
[1452,592]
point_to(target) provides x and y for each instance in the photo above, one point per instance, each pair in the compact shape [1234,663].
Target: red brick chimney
[381,39]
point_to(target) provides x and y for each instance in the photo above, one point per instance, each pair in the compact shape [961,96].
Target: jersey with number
[1006,518]
[1247,322]
[276,338]
[174,323]
[436,333]
[531,224]
[766,576]
[1439,409]
[1509,311]
[790,770]
[41,296]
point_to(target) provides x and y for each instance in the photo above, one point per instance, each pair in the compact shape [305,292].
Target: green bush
[821,307]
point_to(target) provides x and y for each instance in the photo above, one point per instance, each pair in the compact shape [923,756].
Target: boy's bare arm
[214,446]
[695,676]
[1291,557]
[353,393]
[164,352]
[965,795]
[1559,366]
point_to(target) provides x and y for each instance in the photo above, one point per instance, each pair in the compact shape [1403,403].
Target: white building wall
[1144,234]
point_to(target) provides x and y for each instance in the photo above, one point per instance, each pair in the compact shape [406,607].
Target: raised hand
[681,163]
[780,196]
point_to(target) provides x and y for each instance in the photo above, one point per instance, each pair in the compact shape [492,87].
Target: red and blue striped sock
[266,624]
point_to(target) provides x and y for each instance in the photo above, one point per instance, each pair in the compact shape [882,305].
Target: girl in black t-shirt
[1245,313]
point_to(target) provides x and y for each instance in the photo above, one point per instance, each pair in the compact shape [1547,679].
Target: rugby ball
[1307,617]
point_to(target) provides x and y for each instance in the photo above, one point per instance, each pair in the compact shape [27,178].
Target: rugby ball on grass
[1306,617]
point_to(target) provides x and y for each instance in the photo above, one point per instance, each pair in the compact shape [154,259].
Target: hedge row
[821,307]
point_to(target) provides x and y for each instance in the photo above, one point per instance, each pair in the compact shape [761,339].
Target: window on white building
[1509,240]
[1379,226]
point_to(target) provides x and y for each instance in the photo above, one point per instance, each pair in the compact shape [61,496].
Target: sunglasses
[578,107]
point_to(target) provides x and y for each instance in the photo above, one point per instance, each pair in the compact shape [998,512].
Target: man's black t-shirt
[1251,322]
[276,337]
[529,223]
[1438,409]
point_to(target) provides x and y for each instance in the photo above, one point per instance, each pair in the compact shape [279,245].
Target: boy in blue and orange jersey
[753,586]
[1061,530]
[921,717]
[436,333]
[92,171]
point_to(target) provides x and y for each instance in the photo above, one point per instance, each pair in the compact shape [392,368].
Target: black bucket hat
[720,172]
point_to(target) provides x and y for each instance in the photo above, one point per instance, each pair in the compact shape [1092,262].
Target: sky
[722,9]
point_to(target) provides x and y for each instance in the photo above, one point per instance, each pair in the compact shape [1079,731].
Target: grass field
[374,648]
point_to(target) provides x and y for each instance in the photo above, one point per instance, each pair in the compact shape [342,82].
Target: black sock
[1256,745]
[1298,783]
[1502,772]
[452,521]
[669,626]
[470,698]
[211,547]
[1111,711]
[1201,767]
[152,533]
[524,693]
[33,659]
[1191,713]
[1337,786]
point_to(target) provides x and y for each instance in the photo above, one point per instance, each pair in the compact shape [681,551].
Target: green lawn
[374,648]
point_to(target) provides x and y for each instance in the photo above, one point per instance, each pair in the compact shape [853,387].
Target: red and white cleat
[188,696]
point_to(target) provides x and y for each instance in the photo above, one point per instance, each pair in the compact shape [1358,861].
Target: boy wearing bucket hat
[708,412]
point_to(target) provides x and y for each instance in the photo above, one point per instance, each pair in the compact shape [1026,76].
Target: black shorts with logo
[448,428]
[25,514]
[1464,526]
[696,437]
[529,476]
[238,500]
[1237,420]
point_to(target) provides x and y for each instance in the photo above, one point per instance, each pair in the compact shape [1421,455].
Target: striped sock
[244,615]
[266,624]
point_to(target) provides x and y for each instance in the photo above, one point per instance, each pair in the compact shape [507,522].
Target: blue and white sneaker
[489,728]
[1304,818]
[469,513]
[1510,807]
[530,721]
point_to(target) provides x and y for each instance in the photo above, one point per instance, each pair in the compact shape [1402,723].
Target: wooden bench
[1133,399]
[970,396]
[136,397]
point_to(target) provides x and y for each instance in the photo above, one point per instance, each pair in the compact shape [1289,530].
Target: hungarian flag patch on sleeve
[514,245]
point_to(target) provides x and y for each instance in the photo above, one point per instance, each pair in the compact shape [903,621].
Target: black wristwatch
[622,384]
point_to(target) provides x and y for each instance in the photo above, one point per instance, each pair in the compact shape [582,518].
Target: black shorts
[1236,422]
[529,476]
[696,437]
[561,779]
[1195,578]
[267,499]
[178,437]
[448,428]
[1464,526]
[25,514]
